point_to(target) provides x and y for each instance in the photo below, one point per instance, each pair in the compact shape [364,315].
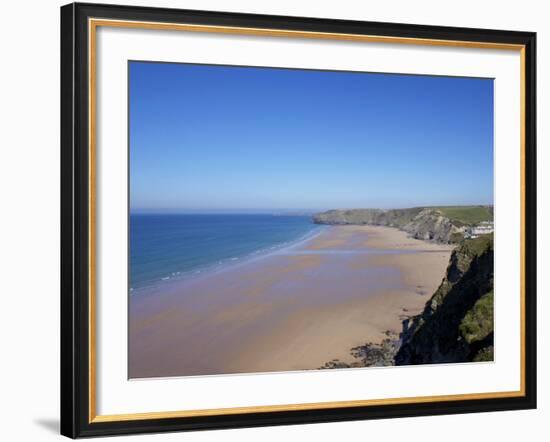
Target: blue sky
[216,138]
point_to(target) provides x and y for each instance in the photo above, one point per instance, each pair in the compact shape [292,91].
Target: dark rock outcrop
[457,322]
[371,354]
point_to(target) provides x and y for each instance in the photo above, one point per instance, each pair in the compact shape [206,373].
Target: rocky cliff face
[457,322]
[421,223]
[430,224]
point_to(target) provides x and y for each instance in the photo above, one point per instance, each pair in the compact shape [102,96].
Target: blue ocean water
[169,246]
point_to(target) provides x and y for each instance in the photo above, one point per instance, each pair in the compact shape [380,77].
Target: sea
[167,247]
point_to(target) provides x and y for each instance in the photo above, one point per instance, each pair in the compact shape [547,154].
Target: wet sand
[293,310]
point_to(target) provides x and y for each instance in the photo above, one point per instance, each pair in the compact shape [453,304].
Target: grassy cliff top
[477,246]
[467,214]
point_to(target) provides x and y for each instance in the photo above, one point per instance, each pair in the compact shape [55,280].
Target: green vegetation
[456,324]
[456,238]
[484,355]
[477,246]
[478,322]
[467,215]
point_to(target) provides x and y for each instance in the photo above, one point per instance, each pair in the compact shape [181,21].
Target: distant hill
[442,224]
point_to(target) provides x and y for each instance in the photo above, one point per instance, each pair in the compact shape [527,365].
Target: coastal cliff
[457,322]
[440,224]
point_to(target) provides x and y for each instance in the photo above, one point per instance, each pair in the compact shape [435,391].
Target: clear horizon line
[312,210]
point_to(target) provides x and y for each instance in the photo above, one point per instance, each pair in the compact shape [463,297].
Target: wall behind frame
[29,220]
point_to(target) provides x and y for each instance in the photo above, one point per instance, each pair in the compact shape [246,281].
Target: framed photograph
[273,220]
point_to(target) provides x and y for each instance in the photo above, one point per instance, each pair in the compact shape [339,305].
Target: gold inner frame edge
[93,24]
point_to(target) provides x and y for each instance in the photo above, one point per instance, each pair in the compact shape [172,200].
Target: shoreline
[226,263]
[288,311]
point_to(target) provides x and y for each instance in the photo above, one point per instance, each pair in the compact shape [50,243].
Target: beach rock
[371,354]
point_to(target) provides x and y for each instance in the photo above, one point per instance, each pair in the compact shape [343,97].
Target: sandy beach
[295,309]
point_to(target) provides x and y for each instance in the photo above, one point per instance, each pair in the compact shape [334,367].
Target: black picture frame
[75,220]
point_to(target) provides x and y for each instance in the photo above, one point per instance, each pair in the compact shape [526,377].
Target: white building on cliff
[483,228]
